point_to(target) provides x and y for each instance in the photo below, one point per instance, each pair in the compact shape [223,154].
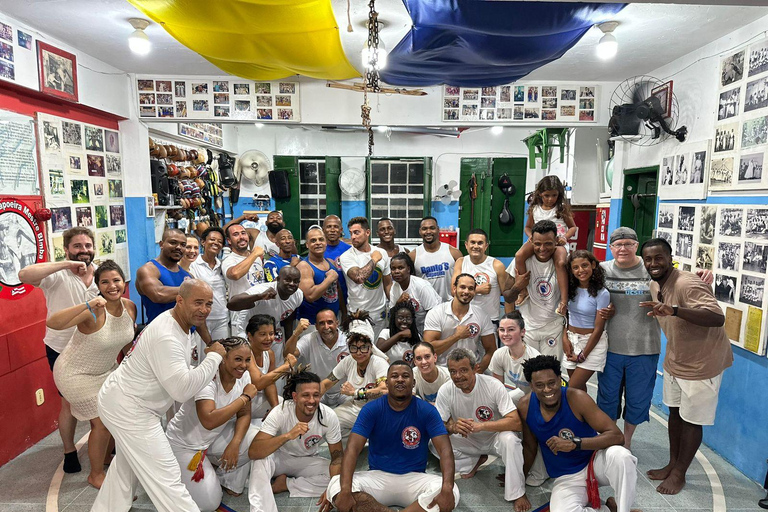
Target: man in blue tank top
[320,278]
[398,429]
[581,446]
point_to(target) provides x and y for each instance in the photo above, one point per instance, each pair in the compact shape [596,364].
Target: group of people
[256,360]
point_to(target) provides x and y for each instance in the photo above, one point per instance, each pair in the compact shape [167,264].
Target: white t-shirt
[400,350]
[375,372]
[62,290]
[488,401]
[442,320]
[502,363]
[214,277]
[437,268]
[185,429]
[428,390]
[270,248]
[254,276]
[156,372]
[485,273]
[322,359]
[423,298]
[544,293]
[370,295]
[283,418]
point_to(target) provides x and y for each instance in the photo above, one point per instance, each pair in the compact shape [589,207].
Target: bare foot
[673,484]
[97,479]
[611,504]
[660,474]
[522,504]
[500,477]
[521,298]
[231,492]
[480,462]
[280,484]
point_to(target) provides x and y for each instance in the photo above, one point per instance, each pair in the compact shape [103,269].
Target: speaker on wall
[160,184]
[279,184]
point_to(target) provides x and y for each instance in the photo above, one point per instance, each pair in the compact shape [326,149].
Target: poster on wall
[82,178]
[22,243]
[18,56]
[212,133]
[684,173]
[732,242]
[741,122]
[18,160]
[515,102]
[201,99]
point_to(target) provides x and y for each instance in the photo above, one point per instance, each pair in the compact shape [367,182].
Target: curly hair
[596,281]
[551,182]
[540,363]
[406,304]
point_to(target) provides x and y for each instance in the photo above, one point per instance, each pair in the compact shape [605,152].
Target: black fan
[639,116]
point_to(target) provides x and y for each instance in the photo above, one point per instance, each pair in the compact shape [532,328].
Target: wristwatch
[674,310]
[577,442]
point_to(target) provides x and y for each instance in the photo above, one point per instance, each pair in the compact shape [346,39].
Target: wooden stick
[360,87]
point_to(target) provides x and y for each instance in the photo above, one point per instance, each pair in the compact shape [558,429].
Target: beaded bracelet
[360,394]
[91,310]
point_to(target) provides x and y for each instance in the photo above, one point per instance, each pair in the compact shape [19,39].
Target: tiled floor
[25,482]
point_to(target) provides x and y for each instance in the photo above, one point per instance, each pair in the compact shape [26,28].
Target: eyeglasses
[628,245]
[363,349]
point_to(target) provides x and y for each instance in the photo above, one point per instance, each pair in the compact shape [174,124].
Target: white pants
[143,456]
[393,490]
[614,466]
[218,328]
[506,445]
[307,477]
[548,339]
[347,414]
[236,479]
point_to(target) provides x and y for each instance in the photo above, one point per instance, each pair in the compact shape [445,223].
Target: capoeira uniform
[397,455]
[307,472]
[428,390]
[197,448]
[488,401]
[422,297]
[154,374]
[442,320]
[259,405]
[375,372]
[370,295]
[614,466]
[402,350]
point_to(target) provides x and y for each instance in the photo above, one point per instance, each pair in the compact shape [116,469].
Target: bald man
[286,256]
[335,246]
[154,374]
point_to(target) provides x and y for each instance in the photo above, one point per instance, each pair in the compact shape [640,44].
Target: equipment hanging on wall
[279,184]
[254,165]
[506,217]
[472,197]
[448,193]
[227,170]
[644,112]
[352,181]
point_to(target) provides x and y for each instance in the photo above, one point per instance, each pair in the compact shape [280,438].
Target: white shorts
[697,399]
[595,361]
[393,490]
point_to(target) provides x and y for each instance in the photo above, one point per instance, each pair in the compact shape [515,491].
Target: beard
[80,255]
[274,227]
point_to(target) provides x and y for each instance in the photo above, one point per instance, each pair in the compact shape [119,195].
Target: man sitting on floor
[581,445]
[398,428]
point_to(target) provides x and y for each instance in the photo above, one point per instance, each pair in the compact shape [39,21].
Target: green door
[474,213]
[291,205]
[506,239]
[638,206]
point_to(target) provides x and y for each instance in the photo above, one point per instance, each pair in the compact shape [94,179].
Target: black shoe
[71,463]
[763,502]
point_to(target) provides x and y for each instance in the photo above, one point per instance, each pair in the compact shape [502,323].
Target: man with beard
[65,284]
[490,274]
[460,324]
[285,256]
[242,268]
[698,351]
[480,414]
[434,260]
[319,280]
[398,429]
[576,438]
[287,447]
[278,299]
[155,373]
[366,270]
[386,232]
[267,240]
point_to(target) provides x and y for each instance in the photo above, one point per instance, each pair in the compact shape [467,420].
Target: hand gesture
[299,429]
[291,360]
[657,308]
[405,334]
[463,427]
[483,289]
[217,348]
[376,257]
[522,280]
[258,250]
[97,303]
[332,275]
[250,390]
[561,240]
[78,267]
[445,501]
[268,294]
[607,313]
[325,505]
[348,389]
[707,276]
[228,460]
[462,331]
[558,444]
[302,326]
[568,348]
[404,297]
[253,217]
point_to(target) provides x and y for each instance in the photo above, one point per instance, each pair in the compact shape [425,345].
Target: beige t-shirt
[693,352]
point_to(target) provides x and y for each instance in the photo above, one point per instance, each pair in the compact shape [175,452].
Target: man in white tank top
[489,273]
[434,260]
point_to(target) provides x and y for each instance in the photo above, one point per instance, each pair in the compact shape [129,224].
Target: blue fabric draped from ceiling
[476,43]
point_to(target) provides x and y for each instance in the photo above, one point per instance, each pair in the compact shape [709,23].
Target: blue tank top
[563,424]
[168,278]
[330,299]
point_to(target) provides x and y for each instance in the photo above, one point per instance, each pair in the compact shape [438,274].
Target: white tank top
[484,273]
[540,214]
[260,400]
[437,268]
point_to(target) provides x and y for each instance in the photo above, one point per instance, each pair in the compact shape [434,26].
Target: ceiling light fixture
[608,45]
[258,125]
[138,41]
[381,56]
[497,130]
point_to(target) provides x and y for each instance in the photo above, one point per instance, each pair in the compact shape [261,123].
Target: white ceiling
[650,35]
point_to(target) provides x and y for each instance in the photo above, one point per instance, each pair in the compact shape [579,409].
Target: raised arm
[243,301]
[433,337]
[264,445]
[168,361]
[515,286]
[237,271]
[34,274]
[77,314]
[210,417]
[360,274]
[148,283]
[312,291]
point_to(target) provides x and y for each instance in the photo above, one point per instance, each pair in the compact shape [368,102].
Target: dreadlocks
[294,378]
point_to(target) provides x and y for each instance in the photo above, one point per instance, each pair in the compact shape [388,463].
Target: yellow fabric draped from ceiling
[257,39]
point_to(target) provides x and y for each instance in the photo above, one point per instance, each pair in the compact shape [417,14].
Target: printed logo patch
[374,280]
[552,342]
[312,441]
[474,329]
[544,287]
[484,413]
[482,278]
[341,356]
[408,357]
[566,434]
[286,314]
[411,438]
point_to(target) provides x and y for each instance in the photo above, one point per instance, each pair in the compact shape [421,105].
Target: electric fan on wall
[644,112]
[254,165]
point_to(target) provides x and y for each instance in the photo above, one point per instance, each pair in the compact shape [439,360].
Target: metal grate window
[397,192]
[312,185]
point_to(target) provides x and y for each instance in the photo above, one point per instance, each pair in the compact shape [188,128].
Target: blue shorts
[633,377]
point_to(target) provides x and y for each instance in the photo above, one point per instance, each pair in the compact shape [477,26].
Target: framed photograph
[664,94]
[57,71]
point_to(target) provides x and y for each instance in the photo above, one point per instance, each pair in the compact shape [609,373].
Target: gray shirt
[631,332]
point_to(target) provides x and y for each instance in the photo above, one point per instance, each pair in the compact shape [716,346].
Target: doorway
[638,206]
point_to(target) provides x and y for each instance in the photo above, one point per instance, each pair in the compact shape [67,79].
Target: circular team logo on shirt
[341,356]
[408,357]
[566,434]
[312,441]
[331,294]
[278,336]
[374,280]
[370,385]
[482,278]
[484,413]
[415,304]
[474,329]
[544,287]
[411,438]
[551,342]
[286,314]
